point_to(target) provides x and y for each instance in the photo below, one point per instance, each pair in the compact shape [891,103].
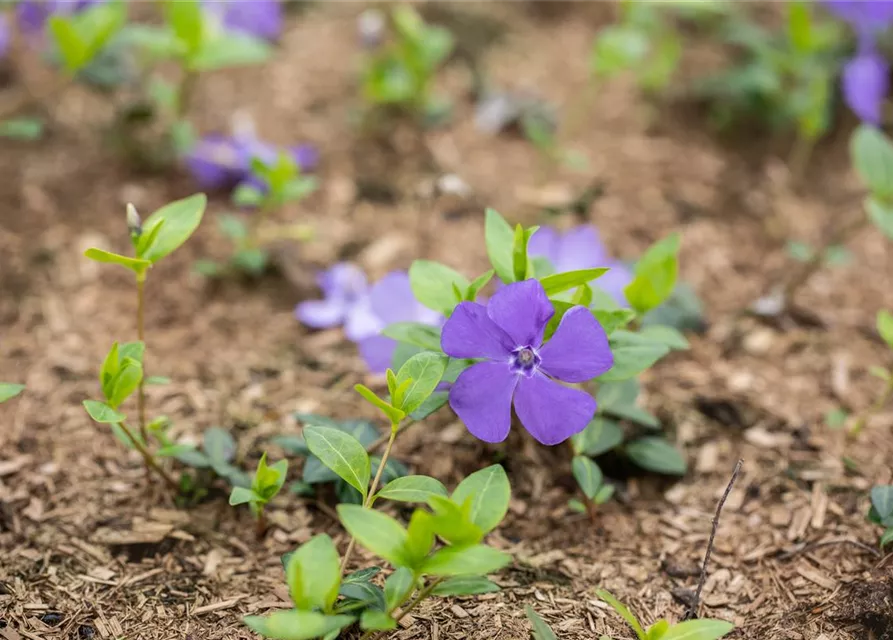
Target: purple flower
[390,300]
[343,286]
[862,14]
[5,34]
[581,248]
[519,369]
[33,14]
[258,18]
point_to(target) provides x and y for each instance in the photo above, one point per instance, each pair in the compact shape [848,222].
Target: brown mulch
[88,551]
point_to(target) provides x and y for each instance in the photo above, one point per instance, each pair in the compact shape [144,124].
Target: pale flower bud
[134,222]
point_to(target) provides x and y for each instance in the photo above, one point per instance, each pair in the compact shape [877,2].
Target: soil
[89,552]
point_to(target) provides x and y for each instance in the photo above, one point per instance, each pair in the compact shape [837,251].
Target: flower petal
[544,244]
[581,248]
[579,349]
[344,280]
[615,281]
[522,310]
[361,322]
[392,298]
[551,412]
[470,333]
[216,162]
[378,352]
[258,18]
[866,79]
[482,398]
[321,314]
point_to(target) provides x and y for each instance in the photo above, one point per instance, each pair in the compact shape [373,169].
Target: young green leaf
[186,21]
[102,413]
[125,382]
[703,629]
[137,265]
[425,371]
[655,275]
[296,624]
[882,500]
[587,474]
[242,495]
[397,586]
[268,480]
[519,253]
[541,631]
[465,586]
[181,218]
[341,453]
[9,390]
[420,537]
[489,492]
[499,238]
[477,559]
[885,326]
[625,613]
[314,574]
[393,414]
[886,537]
[412,489]
[881,215]
[471,293]
[373,620]
[133,350]
[379,533]
[600,436]
[560,282]
[231,50]
[872,156]
[69,43]
[656,454]
[452,521]
[432,284]
[657,630]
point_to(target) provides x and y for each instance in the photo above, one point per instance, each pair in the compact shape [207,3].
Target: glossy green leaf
[420,537]
[452,522]
[465,586]
[432,284]
[656,454]
[588,475]
[625,613]
[313,574]
[489,491]
[393,414]
[9,390]
[412,489]
[379,533]
[499,238]
[296,624]
[125,381]
[136,265]
[541,631]
[102,413]
[373,620]
[477,559]
[342,453]
[181,219]
[559,282]
[424,372]
[600,436]
[872,156]
[397,586]
[703,629]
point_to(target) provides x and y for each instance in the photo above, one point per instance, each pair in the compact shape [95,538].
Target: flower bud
[134,222]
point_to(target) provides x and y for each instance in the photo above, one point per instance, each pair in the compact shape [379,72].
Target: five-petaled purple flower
[258,18]
[581,248]
[866,76]
[519,369]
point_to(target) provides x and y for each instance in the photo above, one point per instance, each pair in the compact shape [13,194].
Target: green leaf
[452,522]
[886,538]
[393,414]
[137,265]
[559,282]
[800,251]
[600,436]
[296,624]
[314,574]
[654,275]
[9,390]
[625,613]
[633,354]
[669,336]
[588,475]
[619,399]
[22,128]
[341,453]
[133,350]
[657,630]
[242,495]
[882,500]
[414,333]
[618,48]
[703,629]
[69,43]
[604,494]
[800,27]
[397,586]
[477,559]
[268,480]
[125,382]
[471,293]
[379,533]
[219,445]
[881,215]
[656,454]
[181,218]
[231,50]
[424,372]
[432,285]
[186,21]
[102,413]
[373,620]
[412,489]
[872,156]
[613,319]
[233,227]
[489,491]
[885,326]
[519,253]
[247,195]
[541,631]
[465,586]
[499,239]
[158,380]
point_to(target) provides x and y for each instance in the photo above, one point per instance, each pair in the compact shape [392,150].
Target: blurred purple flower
[343,285]
[5,34]
[581,248]
[866,76]
[33,14]
[390,300]
[258,18]
[519,369]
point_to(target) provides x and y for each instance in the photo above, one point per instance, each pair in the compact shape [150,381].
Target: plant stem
[184,93]
[151,463]
[369,496]
[260,525]
[424,593]
[141,336]
[882,399]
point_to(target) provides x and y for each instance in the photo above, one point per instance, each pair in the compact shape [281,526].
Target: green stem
[141,336]
[151,462]
[882,400]
[371,494]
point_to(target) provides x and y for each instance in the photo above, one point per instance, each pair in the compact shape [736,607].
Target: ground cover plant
[436,320]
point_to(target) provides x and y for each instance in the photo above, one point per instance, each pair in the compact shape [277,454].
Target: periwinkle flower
[581,248]
[258,18]
[32,15]
[5,34]
[519,369]
[343,286]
